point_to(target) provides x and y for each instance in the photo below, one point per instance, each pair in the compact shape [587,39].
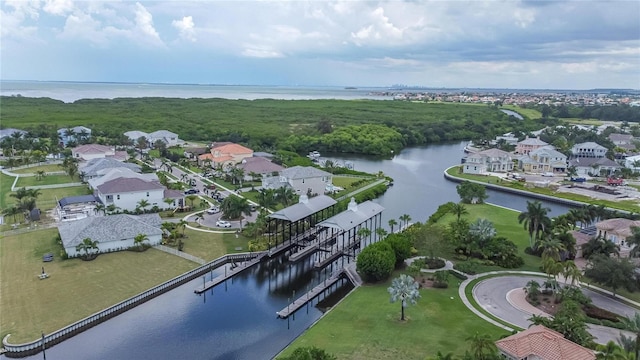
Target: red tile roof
[544,343]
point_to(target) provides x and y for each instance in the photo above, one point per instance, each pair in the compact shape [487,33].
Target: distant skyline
[529,44]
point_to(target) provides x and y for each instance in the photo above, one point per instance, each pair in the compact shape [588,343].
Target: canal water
[237,320]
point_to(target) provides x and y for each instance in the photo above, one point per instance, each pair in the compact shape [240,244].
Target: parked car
[547,174]
[213,210]
[223,224]
[191,191]
[578,179]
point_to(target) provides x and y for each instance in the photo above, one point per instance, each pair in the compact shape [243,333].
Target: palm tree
[482,346]
[458,210]
[441,356]
[363,233]
[86,246]
[483,230]
[405,289]
[381,233]
[532,289]
[571,272]
[99,208]
[610,351]
[139,239]
[633,324]
[203,203]
[40,174]
[404,220]
[233,207]
[392,223]
[191,199]
[285,195]
[628,343]
[535,219]
[142,204]
[551,248]
[169,202]
[634,241]
[12,211]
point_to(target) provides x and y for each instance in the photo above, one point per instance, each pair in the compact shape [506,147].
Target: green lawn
[365,325]
[75,288]
[5,188]
[46,180]
[45,168]
[210,246]
[530,113]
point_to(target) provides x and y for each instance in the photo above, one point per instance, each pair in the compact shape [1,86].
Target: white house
[113,233]
[302,179]
[490,160]
[126,193]
[93,151]
[169,138]
[544,159]
[632,162]
[588,150]
[76,134]
[594,166]
[98,167]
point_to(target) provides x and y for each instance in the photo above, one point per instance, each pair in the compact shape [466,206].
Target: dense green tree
[376,261]
[401,245]
[234,207]
[404,289]
[610,272]
[471,192]
[309,353]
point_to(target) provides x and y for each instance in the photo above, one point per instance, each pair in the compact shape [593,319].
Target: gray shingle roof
[351,218]
[583,162]
[259,165]
[78,200]
[303,172]
[302,210]
[120,185]
[135,134]
[95,165]
[109,228]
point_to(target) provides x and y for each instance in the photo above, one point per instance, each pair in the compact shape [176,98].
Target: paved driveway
[491,294]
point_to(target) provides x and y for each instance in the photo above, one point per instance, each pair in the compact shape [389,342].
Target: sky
[526,44]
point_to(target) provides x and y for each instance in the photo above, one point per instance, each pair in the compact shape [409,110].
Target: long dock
[228,274]
[304,299]
[335,253]
[314,246]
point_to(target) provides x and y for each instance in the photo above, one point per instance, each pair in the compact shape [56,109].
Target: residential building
[490,160]
[507,138]
[594,166]
[527,145]
[617,231]
[74,134]
[9,132]
[304,180]
[622,140]
[102,176]
[588,150]
[113,233]
[225,155]
[76,207]
[541,343]
[98,167]
[632,162]
[126,193]
[544,159]
[169,138]
[260,166]
[96,151]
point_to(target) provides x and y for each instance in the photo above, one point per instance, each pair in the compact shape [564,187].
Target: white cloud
[58,7]
[13,20]
[185,28]
[261,53]
[144,26]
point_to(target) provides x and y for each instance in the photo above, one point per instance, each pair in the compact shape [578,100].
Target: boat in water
[313,155]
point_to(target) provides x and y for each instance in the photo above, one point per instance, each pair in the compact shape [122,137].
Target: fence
[26,349]
[180,253]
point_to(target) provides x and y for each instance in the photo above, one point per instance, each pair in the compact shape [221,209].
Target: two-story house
[225,155]
[588,150]
[126,193]
[527,145]
[490,160]
[98,167]
[73,134]
[304,180]
[258,166]
[544,159]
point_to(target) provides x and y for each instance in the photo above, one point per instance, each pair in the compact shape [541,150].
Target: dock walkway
[228,274]
[313,246]
[304,299]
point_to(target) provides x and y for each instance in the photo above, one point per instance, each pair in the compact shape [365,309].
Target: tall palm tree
[285,195]
[404,220]
[482,346]
[99,208]
[551,248]
[382,233]
[571,272]
[87,245]
[610,351]
[191,198]
[266,198]
[392,223]
[458,210]
[628,343]
[634,241]
[40,174]
[405,289]
[535,219]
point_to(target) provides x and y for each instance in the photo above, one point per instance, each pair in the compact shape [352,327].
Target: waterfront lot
[210,246]
[75,288]
[365,325]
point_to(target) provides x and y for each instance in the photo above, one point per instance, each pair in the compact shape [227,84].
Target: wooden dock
[312,294]
[314,246]
[228,274]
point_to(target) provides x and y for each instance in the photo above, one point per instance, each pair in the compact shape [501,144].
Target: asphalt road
[491,294]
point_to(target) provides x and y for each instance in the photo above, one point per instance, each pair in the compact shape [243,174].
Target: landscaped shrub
[443,210]
[537,252]
[401,246]
[441,279]
[376,261]
[595,312]
[458,275]
[468,267]
[434,263]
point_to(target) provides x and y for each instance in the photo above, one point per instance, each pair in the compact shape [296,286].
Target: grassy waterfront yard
[75,288]
[365,325]
[25,181]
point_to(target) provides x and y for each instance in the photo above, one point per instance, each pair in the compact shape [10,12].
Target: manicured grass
[46,180]
[75,288]
[365,325]
[5,188]
[45,168]
[529,113]
[210,246]
[589,122]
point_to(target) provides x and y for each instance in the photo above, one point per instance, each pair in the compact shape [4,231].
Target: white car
[223,224]
[213,210]
[547,174]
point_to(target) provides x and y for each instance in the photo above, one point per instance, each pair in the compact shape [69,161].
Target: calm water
[238,321]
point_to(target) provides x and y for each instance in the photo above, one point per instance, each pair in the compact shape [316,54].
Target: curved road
[491,294]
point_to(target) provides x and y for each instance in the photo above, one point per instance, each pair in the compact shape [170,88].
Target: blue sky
[493,44]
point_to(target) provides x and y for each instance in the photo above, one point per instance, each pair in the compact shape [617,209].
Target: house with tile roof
[588,149]
[225,155]
[73,134]
[544,159]
[490,160]
[303,180]
[88,152]
[617,230]
[113,233]
[259,165]
[527,145]
[594,166]
[541,343]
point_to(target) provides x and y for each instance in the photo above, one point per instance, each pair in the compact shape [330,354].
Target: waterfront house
[544,159]
[588,149]
[304,180]
[490,160]
[617,231]
[113,233]
[126,192]
[225,155]
[73,134]
[96,151]
[527,145]
[258,165]
[594,166]
[541,343]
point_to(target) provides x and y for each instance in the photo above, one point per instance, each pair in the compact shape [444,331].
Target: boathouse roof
[304,208]
[353,216]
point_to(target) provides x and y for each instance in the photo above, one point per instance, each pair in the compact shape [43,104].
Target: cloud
[144,25]
[58,7]
[185,28]
[14,18]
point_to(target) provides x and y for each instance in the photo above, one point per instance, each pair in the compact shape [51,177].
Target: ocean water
[72,91]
